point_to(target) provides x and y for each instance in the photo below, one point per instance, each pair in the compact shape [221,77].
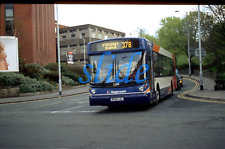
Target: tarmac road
[70,123]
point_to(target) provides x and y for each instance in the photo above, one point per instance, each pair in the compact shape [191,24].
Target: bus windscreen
[117,44]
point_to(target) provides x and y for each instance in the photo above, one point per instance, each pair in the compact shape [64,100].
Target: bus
[129,71]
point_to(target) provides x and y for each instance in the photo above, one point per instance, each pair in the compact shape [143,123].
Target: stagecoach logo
[117,92]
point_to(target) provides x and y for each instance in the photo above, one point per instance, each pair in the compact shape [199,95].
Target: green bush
[182,66]
[51,76]
[26,84]
[32,85]
[33,71]
[51,66]
[27,88]
[76,69]
[10,79]
[213,69]
[222,76]
[71,75]
[69,81]
[55,67]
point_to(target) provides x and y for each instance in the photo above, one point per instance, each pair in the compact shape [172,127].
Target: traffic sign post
[203,52]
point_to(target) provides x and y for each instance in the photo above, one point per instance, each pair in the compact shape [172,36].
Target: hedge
[26,84]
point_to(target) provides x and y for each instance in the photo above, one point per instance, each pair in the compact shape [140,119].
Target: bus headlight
[93,91]
[141,89]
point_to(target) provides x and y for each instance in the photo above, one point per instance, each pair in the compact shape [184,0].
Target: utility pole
[58,46]
[200,49]
[189,54]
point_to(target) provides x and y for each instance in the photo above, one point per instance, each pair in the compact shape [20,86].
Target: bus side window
[156,64]
[155,56]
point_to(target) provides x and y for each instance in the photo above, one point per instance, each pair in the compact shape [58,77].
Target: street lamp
[200,49]
[58,46]
[84,50]
[189,55]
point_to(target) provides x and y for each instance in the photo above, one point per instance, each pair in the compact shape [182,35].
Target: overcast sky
[124,18]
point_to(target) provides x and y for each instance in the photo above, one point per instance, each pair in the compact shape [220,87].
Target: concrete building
[71,39]
[34,25]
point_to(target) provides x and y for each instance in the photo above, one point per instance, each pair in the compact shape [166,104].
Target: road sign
[203,52]
[69,57]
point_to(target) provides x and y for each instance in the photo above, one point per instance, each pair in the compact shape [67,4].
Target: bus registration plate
[117,99]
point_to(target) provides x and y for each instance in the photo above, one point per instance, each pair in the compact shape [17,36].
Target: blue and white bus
[129,71]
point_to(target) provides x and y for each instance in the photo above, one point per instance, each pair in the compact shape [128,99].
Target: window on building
[64,37]
[9,19]
[74,30]
[73,36]
[63,32]
[63,46]
[82,29]
[106,37]
[92,35]
[73,46]
[99,36]
[82,35]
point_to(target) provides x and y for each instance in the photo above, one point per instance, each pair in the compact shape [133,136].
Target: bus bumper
[120,99]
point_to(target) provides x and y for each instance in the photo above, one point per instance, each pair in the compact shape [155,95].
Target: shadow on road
[126,109]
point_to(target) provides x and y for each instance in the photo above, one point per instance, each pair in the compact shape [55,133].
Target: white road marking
[44,105]
[67,110]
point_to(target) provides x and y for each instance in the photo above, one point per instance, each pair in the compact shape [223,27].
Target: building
[73,39]
[34,25]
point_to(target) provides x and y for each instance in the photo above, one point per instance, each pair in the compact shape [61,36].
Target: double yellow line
[182,95]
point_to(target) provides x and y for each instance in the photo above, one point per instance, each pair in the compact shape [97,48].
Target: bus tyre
[171,89]
[157,97]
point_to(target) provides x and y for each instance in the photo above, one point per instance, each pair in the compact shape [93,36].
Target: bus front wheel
[157,96]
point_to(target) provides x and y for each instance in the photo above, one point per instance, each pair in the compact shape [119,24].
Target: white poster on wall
[9,60]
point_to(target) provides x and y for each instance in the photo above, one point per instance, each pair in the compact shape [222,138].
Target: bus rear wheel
[171,89]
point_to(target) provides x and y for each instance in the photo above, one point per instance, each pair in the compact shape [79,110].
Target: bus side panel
[164,85]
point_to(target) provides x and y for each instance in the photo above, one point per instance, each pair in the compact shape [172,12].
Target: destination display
[115,45]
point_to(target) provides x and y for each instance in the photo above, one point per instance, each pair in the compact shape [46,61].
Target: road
[70,123]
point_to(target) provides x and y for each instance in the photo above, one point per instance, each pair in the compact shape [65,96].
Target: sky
[124,18]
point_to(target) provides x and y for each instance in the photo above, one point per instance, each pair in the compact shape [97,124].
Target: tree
[172,36]
[216,41]
[218,12]
[152,39]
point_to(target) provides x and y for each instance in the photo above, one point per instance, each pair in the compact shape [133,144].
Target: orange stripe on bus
[156,48]
[148,90]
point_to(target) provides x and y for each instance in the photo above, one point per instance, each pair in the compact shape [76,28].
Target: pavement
[207,92]
[46,95]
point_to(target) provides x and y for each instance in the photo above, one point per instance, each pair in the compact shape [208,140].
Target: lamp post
[200,49]
[84,50]
[189,56]
[58,46]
